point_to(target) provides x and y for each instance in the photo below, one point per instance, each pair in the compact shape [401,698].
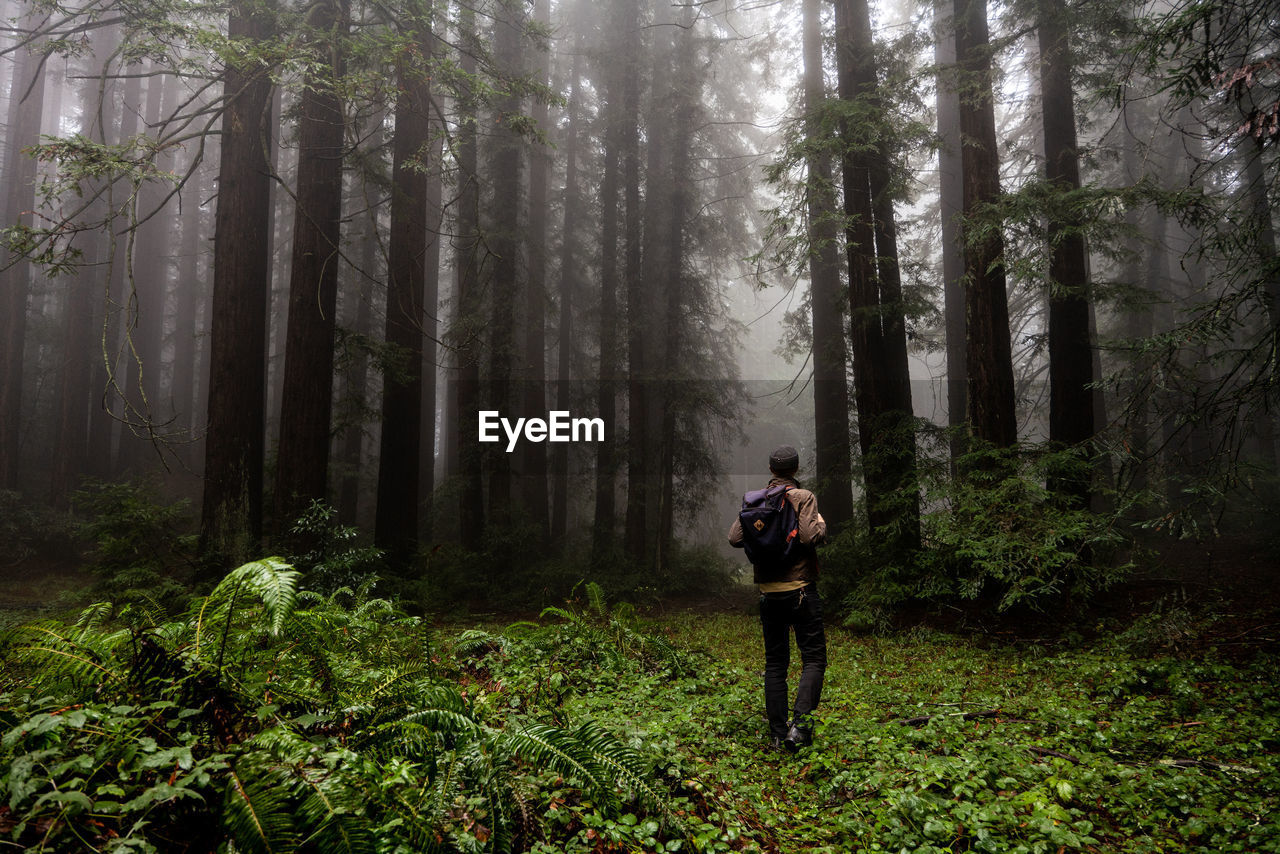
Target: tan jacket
[812,533]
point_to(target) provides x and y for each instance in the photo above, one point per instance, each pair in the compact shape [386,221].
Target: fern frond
[476,643]
[595,599]
[256,812]
[92,617]
[332,816]
[276,583]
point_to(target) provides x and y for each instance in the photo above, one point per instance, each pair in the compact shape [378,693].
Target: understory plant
[275,719]
[994,533]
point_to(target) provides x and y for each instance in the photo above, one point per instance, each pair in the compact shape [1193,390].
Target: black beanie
[784,460]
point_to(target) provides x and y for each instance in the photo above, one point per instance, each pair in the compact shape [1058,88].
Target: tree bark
[569,286]
[989,358]
[881,375]
[466,333]
[145,301]
[109,371]
[306,406]
[231,517]
[951,204]
[615,142]
[504,240]
[636,299]
[533,475]
[1070,350]
[188,294]
[396,527]
[826,299]
[26,104]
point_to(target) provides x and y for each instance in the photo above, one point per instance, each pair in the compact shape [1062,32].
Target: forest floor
[1151,726]
[930,742]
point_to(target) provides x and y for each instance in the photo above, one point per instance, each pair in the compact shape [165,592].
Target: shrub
[141,546]
[272,718]
[995,535]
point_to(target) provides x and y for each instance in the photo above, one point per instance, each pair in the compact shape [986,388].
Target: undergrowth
[273,718]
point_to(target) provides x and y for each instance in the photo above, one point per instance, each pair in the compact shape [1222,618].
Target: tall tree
[881,373]
[399,453]
[145,300]
[188,295]
[826,299]
[950,205]
[231,514]
[26,104]
[466,331]
[633,281]
[106,420]
[302,461]
[533,474]
[615,143]
[988,357]
[670,368]
[1071,416]
[569,287]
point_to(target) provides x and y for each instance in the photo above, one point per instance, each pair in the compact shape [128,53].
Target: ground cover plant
[269,718]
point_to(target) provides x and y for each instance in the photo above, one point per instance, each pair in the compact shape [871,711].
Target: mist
[276,261]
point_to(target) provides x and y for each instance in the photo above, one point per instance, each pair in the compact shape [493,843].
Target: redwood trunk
[231,523]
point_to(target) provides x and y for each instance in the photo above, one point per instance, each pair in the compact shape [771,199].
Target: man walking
[786,570]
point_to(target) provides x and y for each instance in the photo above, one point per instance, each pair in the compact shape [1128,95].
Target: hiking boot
[797,738]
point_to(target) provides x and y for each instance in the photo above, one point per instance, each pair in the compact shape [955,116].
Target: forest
[379,380]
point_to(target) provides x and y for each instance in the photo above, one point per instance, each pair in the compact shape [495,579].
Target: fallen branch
[968,716]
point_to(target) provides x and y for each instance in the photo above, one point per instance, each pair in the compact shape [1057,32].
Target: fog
[260,257]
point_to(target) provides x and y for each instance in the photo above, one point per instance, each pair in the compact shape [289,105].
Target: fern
[257,811]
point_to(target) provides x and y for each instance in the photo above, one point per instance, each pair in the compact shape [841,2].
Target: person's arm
[735,534]
[812,527]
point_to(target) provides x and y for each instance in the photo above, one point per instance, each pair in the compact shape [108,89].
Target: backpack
[769,527]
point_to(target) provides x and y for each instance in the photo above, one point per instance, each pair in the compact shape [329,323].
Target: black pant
[779,613]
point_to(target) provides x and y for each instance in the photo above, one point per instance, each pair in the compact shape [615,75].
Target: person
[789,601]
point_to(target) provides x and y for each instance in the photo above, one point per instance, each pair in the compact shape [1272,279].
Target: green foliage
[614,634]
[140,544]
[1088,749]
[276,718]
[328,554]
[27,528]
[995,534]
[506,574]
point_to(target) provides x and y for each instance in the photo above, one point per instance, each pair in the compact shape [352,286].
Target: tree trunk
[466,323]
[430,332]
[26,103]
[231,518]
[109,371]
[533,475]
[683,100]
[1070,350]
[306,404]
[826,299]
[637,300]
[615,142]
[881,377]
[351,444]
[145,300]
[989,358]
[569,286]
[189,293]
[504,240]
[396,528]
[951,204]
